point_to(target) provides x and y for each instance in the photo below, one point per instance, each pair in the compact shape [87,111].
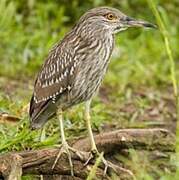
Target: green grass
[173,73]
[92,173]
[138,90]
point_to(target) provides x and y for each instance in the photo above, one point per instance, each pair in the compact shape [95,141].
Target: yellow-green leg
[87,118]
[94,149]
[41,139]
[64,146]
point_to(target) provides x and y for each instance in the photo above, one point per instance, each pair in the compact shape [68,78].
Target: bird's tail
[40,113]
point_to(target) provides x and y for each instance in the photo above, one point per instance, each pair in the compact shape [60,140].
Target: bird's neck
[91,31]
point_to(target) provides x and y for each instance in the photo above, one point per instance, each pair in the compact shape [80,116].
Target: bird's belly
[90,74]
[82,91]
[87,88]
[88,81]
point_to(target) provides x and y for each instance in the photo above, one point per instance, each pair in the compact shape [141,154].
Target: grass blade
[94,169]
[165,35]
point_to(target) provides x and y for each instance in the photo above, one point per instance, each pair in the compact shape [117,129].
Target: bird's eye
[110,16]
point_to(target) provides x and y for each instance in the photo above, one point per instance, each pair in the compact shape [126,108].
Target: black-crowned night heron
[75,67]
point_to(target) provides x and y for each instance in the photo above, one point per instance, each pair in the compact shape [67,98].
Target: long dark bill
[131,22]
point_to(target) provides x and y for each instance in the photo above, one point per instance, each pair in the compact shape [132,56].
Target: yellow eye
[110,16]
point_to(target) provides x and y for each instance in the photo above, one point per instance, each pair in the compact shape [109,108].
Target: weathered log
[148,139]
[40,161]
[11,167]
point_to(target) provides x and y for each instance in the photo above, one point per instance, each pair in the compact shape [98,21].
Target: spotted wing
[56,77]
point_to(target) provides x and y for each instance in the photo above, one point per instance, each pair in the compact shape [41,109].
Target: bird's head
[110,19]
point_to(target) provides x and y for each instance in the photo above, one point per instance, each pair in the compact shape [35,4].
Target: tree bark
[149,139]
[11,167]
[37,162]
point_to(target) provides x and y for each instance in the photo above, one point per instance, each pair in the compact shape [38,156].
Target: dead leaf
[6,118]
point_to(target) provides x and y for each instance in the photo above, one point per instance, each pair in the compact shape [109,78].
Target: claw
[106,166]
[93,155]
[65,148]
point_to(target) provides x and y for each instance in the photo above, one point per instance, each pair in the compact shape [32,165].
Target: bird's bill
[130,22]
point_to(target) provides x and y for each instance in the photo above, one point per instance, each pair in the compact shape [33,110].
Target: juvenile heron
[75,67]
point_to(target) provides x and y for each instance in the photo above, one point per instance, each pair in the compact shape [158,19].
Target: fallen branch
[147,139]
[40,161]
[11,166]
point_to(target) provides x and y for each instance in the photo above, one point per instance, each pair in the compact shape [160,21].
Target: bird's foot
[105,164]
[65,148]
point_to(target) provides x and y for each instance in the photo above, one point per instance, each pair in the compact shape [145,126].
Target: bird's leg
[41,139]
[88,124]
[94,150]
[64,146]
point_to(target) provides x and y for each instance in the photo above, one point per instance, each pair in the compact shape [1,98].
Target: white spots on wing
[35,99]
[70,60]
[76,47]
[46,84]
[62,66]
[75,64]
[69,87]
[66,73]
[53,99]
[61,89]
[51,82]
[56,80]
[72,70]
[57,66]
[65,61]
[61,76]
[55,72]
[52,96]
[54,68]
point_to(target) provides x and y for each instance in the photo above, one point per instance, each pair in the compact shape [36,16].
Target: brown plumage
[75,67]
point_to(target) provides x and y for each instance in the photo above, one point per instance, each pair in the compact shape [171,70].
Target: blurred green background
[136,92]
